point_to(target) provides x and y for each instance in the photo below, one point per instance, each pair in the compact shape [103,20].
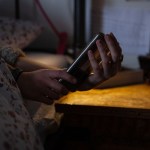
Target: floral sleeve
[10,54]
[17,131]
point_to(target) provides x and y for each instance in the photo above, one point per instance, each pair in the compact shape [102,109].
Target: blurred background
[129,20]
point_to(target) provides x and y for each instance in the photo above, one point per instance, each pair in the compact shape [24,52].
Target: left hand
[110,64]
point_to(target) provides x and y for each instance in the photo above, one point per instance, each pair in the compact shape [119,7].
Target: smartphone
[81,67]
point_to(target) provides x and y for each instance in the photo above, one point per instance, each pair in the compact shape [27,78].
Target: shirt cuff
[10,54]
[16,72]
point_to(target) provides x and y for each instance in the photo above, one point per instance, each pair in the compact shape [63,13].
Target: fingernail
[65,92]
[89,52]
[74,80]
[112,35]
[107,36]
[98,41]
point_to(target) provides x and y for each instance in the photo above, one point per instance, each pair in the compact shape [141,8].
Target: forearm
[28,64]
[18,59]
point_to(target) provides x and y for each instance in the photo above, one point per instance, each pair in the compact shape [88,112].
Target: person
[48,75]
[40,83]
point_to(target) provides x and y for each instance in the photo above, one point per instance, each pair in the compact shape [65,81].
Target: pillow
[18,33]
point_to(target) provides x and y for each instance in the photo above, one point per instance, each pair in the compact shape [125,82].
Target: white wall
[61,13]
[129,20]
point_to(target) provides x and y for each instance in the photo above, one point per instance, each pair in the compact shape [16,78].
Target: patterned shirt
[44,118]
[17,131]
[10,54]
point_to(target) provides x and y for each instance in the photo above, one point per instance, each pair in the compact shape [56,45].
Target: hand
[43,85]
[111,56]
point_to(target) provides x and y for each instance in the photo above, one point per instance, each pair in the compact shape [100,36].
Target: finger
[103,51]
[44,99]
[113,47]
[62,74]
[106,59]
[94,64]
[57,87]
[47,100]
[116,42]
[114,38]
[52,94]
[98,75]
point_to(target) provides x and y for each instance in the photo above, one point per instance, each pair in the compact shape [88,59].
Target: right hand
[42,85]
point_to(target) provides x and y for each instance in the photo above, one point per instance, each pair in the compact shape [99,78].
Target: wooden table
[131,101]
[114,113]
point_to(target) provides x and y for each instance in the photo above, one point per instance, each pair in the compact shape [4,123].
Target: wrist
[16,72]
